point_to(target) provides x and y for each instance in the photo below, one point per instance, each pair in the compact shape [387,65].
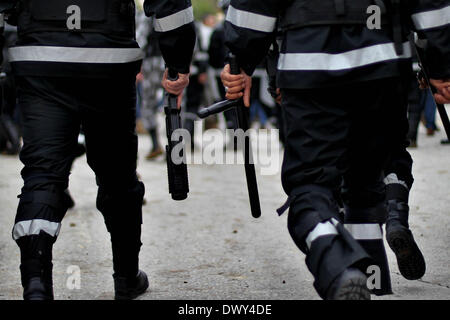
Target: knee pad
[309,206]
[331,251]
[121,208]
[39,211]
[396,189]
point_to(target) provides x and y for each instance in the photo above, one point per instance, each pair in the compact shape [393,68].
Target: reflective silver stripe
[34,227]
[75,55]
[392,178]
[175,20]
[369,231]
[432,19]
[341,61]
[249,20]
[322,229]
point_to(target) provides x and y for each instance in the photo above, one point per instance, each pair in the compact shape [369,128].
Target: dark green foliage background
[202,7]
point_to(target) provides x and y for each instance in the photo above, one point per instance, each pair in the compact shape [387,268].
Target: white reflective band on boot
[322,229]
[75,54]
[432,19]
[341,61]
[175,20]
[369,231]
[393,179]
[250,20]
[34,227]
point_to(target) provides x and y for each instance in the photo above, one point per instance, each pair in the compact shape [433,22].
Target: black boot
[36,266]
[410,260]
[37,289]
[350,285]
[130,288]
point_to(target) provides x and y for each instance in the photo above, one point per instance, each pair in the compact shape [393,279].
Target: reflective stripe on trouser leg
[322,229]
[329,248]
[370,237]
[36,228]
[333,252]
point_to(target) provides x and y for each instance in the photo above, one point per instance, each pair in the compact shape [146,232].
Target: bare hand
[139,77]
[235,84]
[443,90]
[176,87]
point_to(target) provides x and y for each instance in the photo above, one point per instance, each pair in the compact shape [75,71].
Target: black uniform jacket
[327,55]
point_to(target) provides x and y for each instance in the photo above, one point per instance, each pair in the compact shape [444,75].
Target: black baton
[243,123]
[177,173]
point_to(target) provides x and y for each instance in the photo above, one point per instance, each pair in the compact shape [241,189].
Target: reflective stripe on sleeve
[322,229]
[175,20]
[341,61]
[250,20]
[369,231]
[75,54]
[34,227]
[432,19]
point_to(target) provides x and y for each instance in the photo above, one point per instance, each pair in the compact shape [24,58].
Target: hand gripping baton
[243,123]
[176,172]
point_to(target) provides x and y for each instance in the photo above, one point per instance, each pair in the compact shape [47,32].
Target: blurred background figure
[262,104]
[10,134]
[218,53]
[421,106]
[195,94]
[149,82]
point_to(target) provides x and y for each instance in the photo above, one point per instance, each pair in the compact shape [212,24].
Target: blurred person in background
[218,53]
[421,105]
[10,135]
[195,93]
[150,81]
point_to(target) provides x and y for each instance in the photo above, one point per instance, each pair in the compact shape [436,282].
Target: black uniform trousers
[53,110]
[400,162]
[341,135]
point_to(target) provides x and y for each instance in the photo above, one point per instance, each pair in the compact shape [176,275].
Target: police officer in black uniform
[75,63]
[341,84]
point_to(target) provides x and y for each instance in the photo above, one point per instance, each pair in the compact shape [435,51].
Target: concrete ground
[209,246]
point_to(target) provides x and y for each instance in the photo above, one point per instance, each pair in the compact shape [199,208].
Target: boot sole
[353,289]
[410,260]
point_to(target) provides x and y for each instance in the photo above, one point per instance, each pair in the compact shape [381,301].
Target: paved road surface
[209,247]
